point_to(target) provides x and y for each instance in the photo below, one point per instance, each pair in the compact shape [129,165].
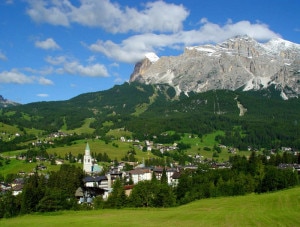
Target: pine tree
[118,198]
[164,178]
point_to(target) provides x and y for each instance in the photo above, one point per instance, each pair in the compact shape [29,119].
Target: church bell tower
[87,160]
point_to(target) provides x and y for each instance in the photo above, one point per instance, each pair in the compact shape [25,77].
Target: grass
[273,209]
[85,128]
[8,132]
[115,149]
[118,133]
[17,166]
[198,146]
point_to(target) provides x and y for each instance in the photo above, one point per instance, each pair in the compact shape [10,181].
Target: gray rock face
[6,103]
[240,62]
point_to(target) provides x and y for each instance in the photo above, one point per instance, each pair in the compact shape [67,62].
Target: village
[98,183]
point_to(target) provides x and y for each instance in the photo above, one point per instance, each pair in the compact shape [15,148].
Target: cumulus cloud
[44,71]
[73,67]
[56,60]
[134,48]
[16,77]
[94,70]
[51,12]
[155,16]
[47,44]
[45,81]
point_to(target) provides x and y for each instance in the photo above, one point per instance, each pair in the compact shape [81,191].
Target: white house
[138,175]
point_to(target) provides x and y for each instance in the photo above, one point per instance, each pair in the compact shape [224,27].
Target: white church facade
[89,165]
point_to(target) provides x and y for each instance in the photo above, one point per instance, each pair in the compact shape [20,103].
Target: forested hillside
[146,110]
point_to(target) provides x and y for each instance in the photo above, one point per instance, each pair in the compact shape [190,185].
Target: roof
[176,175]
[18,187]
[79,192]
[94,179]
[87,147]
[139,171]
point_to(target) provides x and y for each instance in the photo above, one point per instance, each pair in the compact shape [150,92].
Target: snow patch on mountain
[152,57]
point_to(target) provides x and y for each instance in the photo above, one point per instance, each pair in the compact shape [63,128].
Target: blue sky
[57,49]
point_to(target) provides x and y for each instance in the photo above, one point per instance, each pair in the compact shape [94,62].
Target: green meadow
[281,208]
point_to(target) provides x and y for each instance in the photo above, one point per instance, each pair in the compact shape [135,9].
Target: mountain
[257,118]
[6,103]
[238,63]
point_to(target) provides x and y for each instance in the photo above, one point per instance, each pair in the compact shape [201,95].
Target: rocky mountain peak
[237,63]
[5,103]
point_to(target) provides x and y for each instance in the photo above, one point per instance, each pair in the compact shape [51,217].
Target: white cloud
[210,32]
[56,60]
[73,67]
[43,71]
[2,56]
[42,95]
[45,81]
[51,12]
[115,65]
[16,77]
[95,70]
[47,44]
[91,59]
[134,48]
[155,16]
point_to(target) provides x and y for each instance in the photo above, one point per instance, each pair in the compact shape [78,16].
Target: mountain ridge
[6,103]
[239,62]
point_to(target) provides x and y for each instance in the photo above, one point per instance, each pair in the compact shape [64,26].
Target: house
[175,179]
[95,186]
[17,189]
[140,174]
[158,170]
[18,181]
[294,167]
[4,187]
[128,189]
[59,161]
[170,174]
[79,193]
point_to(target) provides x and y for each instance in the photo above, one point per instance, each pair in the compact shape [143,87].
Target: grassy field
[198,146]
[115,149]
[17,166]
[273,209]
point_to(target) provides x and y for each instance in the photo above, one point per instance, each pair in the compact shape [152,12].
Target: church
[89,165]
